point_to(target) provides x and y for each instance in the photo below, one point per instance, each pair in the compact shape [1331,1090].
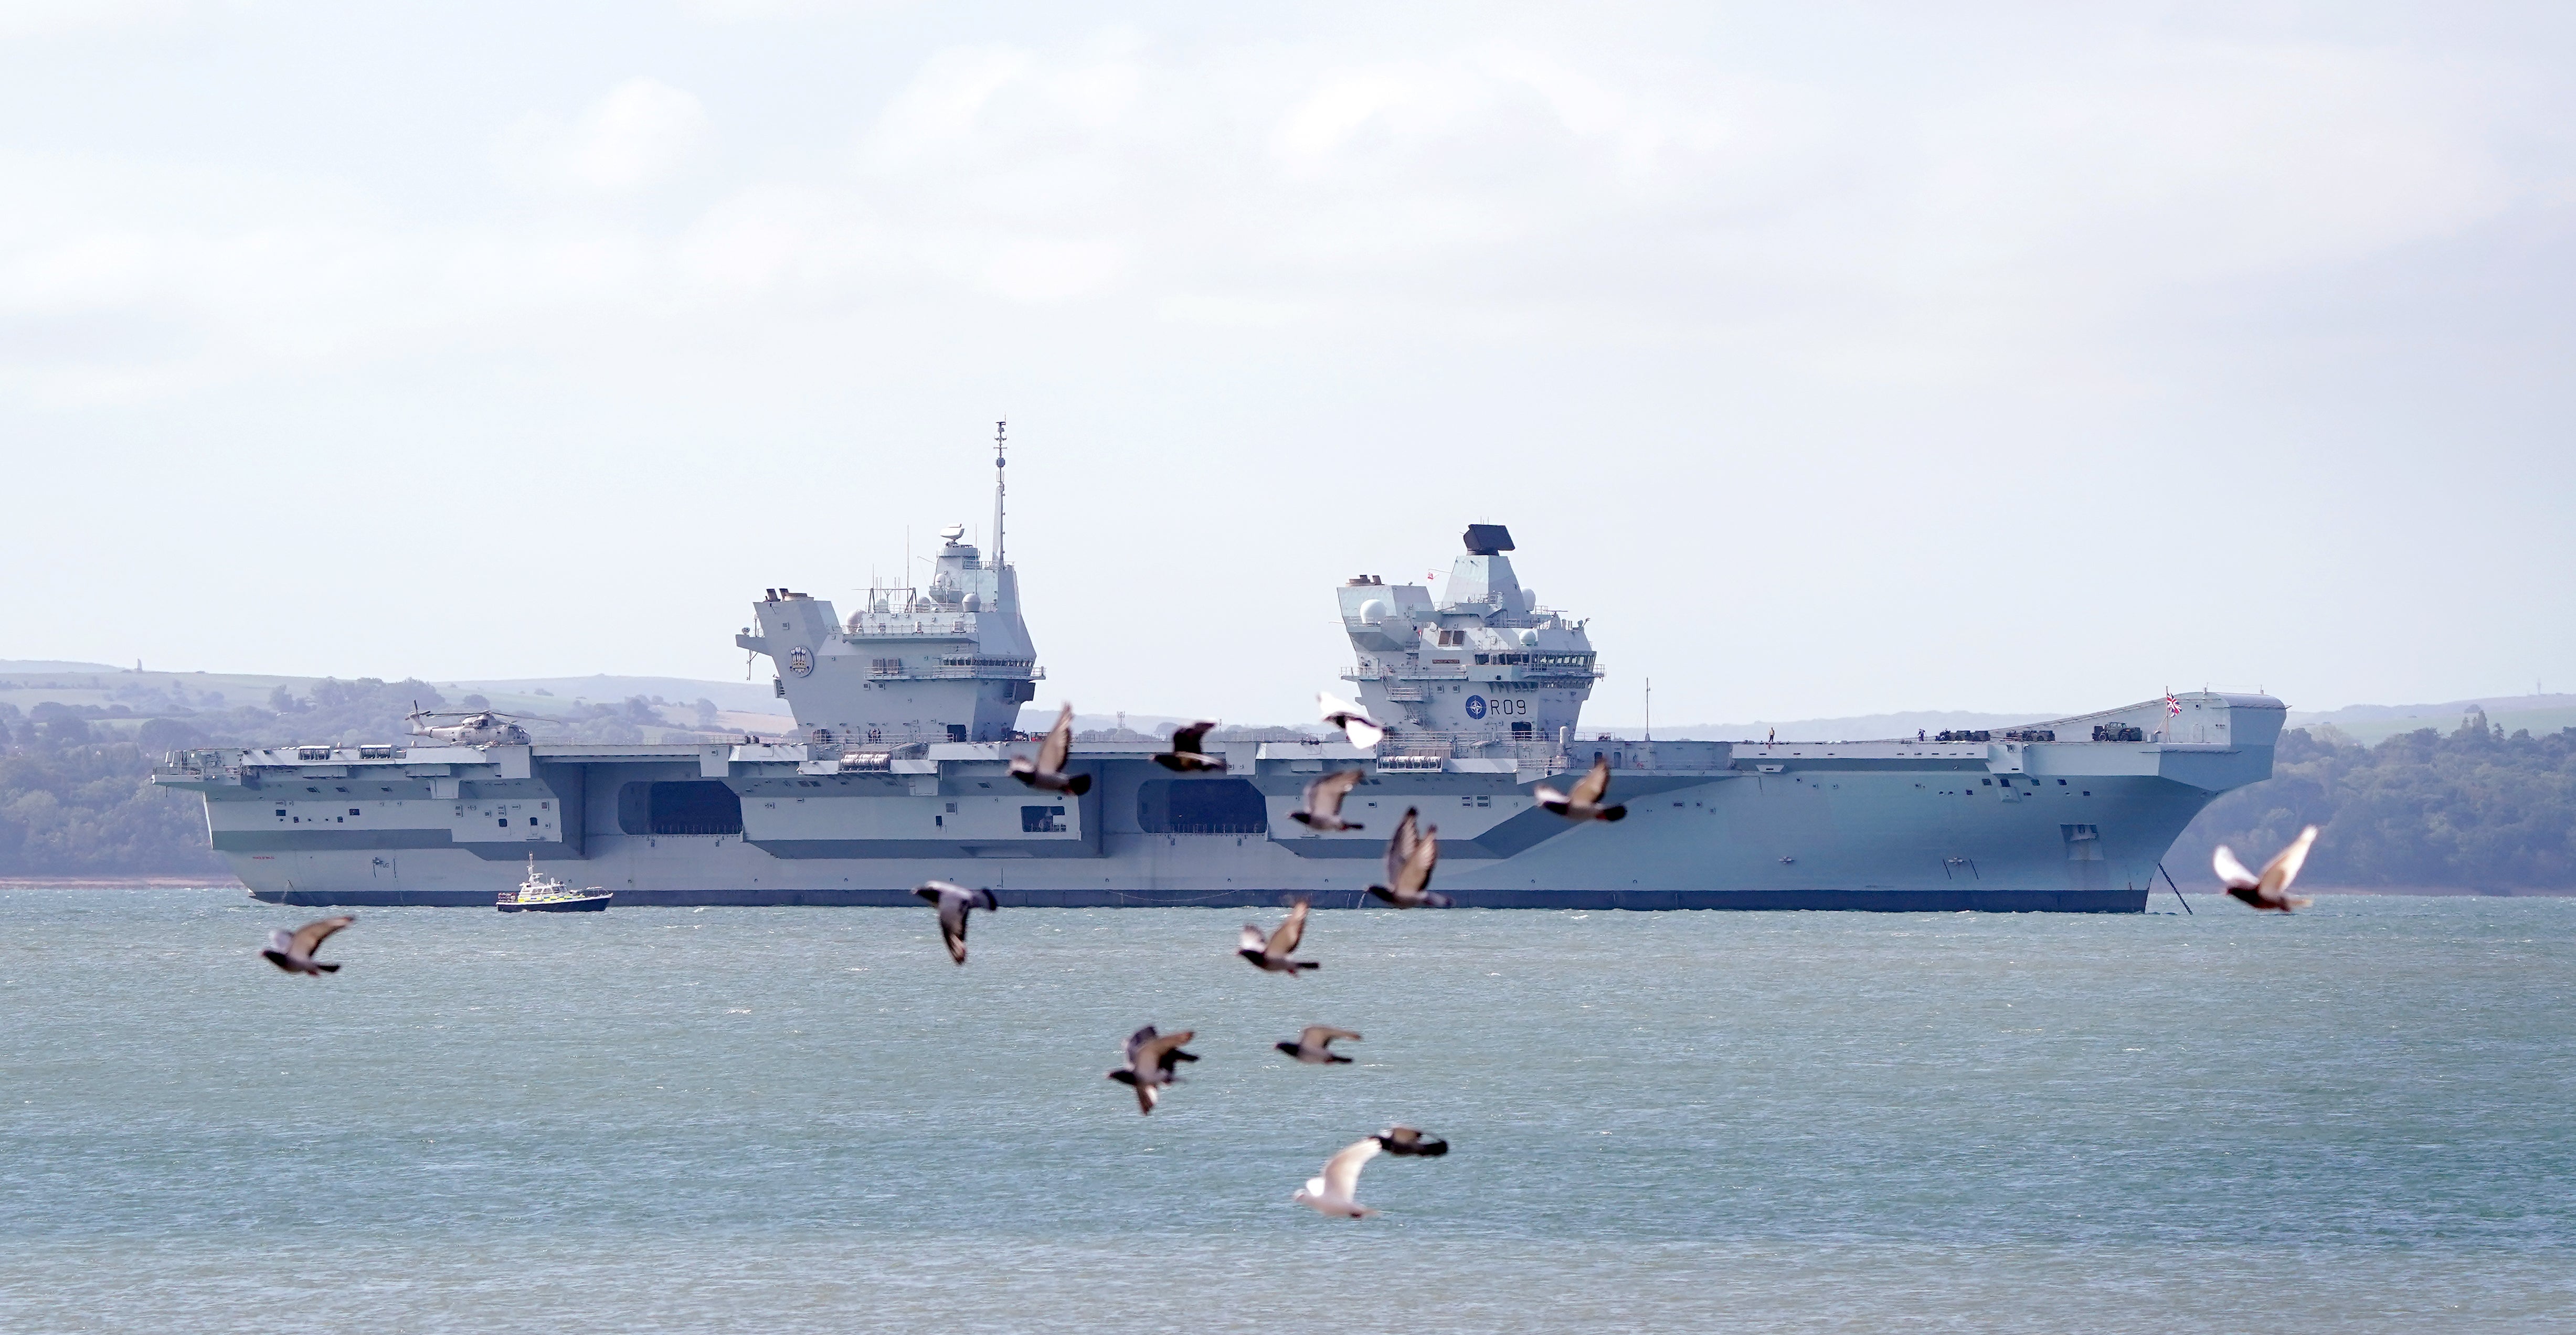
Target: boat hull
[585,904]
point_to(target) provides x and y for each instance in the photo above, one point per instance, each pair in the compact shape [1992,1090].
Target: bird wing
[2284,866]
[952,923]
[1192,739]
[1283,940]
[1253,940]
[1351,719]
[1149,1054]
[1546,796]
[309,937]
[1058,743]
[280,941]
[1324,796]
[1342,1171]
[1136,1041]
[1318,1035]
[2231,873]
[1399,845]
[1592,787]
[1402,1135]
[1416,872]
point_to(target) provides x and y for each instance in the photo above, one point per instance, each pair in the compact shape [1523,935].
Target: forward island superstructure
[906,710]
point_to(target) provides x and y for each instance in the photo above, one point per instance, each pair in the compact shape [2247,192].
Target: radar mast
[998,442]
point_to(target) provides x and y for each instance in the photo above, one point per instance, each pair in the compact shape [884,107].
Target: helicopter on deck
[477,727]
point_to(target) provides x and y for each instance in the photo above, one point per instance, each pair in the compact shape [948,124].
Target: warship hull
[1893,826]
[907,712]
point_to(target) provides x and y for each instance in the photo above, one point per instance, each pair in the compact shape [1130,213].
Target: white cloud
[1038,269]
[37,18]
[1913,271]
[760,11]
[1494,191]
[639,134]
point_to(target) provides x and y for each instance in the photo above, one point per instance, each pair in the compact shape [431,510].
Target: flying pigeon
[295,953]
[1351,719]
[2271,890]
[953,902]
[1584,803]
[1150,1060]
[1335,1193]
[1186,756]
[1314,1046]
[1047,770]
[1270,953]
[1411,853]
[1404,1140]
[1324,801]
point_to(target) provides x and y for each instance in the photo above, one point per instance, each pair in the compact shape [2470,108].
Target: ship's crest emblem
[800,660]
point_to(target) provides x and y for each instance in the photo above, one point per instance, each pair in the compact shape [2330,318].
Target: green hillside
[2536,714]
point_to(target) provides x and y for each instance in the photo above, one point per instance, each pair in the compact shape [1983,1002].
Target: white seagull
[1351,719]
[1336,1193]
[1047,770]
[295,953]
[2271,890]
[953,902]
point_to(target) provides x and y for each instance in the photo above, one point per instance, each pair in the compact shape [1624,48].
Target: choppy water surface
[2359,1118]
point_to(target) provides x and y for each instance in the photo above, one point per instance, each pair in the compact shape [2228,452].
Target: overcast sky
[1831,359]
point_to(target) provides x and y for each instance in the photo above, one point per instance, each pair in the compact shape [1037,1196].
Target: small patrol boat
[545,894]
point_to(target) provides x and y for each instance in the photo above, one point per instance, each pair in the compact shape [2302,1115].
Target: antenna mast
[999,428]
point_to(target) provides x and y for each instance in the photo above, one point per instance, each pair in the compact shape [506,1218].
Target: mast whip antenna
[999,442]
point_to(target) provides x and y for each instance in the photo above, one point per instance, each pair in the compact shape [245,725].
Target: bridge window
[1201,806]
[1041,820]
[684,807]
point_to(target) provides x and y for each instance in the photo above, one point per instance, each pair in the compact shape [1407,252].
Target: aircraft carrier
[906,712]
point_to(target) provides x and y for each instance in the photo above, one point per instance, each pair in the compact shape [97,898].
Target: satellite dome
[1373,611]
[1529,639]
[974,602]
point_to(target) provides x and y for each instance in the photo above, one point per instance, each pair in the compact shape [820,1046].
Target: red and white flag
[2172,705]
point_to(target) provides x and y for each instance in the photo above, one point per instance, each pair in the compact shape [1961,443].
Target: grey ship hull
[1898,826]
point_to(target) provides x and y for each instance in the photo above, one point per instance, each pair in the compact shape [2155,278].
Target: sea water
[2361,1117]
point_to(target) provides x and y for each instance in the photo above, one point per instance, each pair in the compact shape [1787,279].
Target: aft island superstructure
[906,710]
